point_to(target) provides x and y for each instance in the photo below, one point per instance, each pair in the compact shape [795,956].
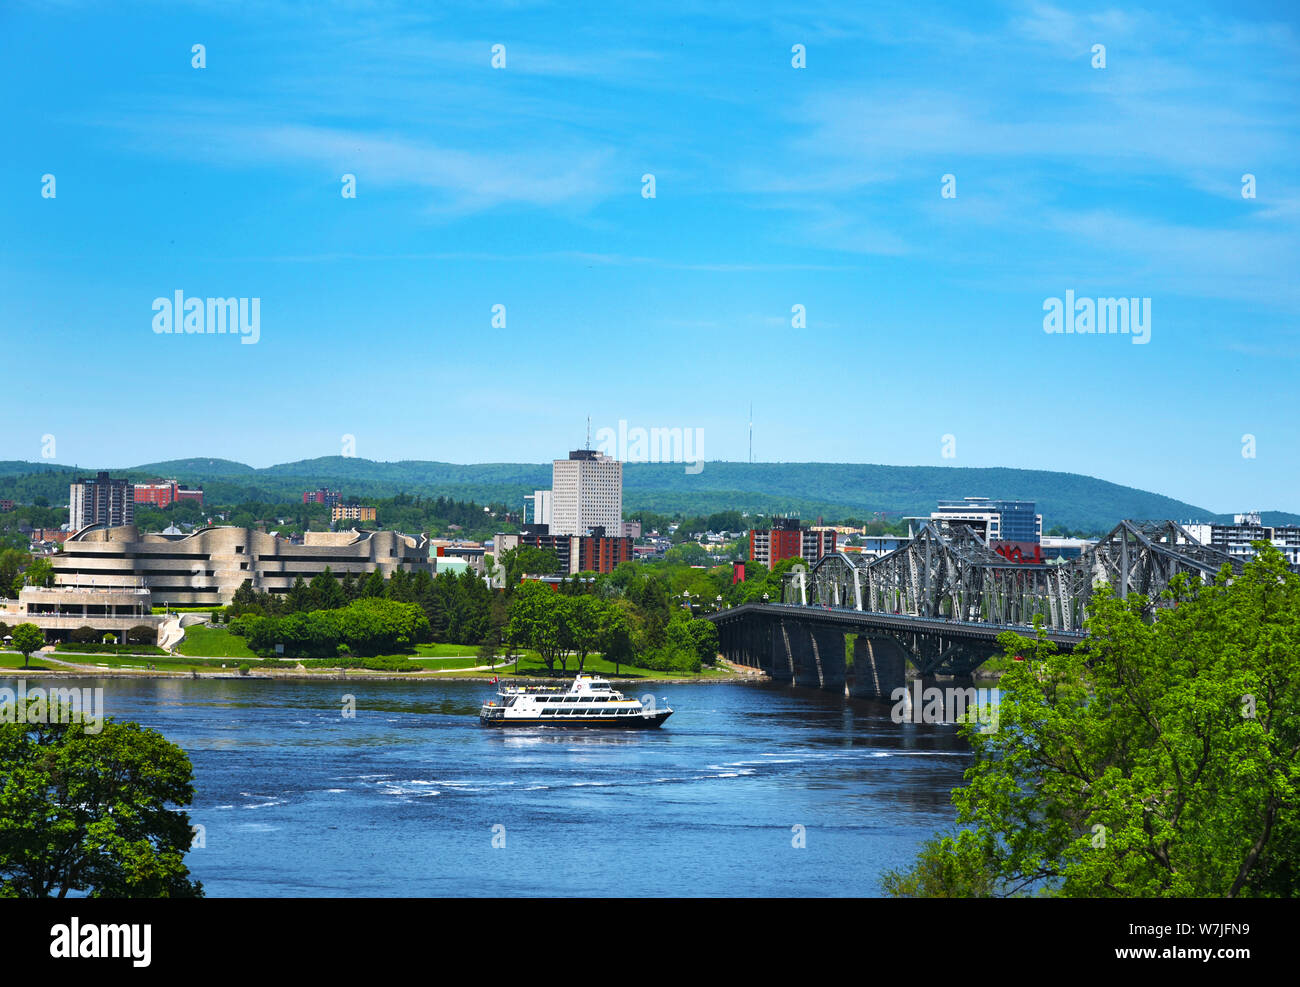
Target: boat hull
[648,721]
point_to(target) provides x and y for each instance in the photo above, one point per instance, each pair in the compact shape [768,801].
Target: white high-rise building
[541,506]
[586,493]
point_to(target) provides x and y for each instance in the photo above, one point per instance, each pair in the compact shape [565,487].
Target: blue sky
[775,187]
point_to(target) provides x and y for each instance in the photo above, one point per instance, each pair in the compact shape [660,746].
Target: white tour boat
[588,702]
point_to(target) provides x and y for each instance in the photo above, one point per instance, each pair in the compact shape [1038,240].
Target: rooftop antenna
[751,433]
[589,433]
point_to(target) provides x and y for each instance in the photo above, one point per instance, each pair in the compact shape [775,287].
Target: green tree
[399,587]
[91,812]
[349,587]
[40,573]
[1158,759]
[617,641]
[12,562]
[85,634]
[535,621]
[437,603]
[527,560]
[326,593]
[498,617]
[689,553]
[584,619]
[373,585]
[298,599]
[142,634]
[28,638]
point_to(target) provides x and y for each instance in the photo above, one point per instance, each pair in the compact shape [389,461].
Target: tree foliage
[368,626]
[1159,759]
[92,813]
[28,638]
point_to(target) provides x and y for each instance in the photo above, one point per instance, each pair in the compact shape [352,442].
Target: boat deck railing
[544,690]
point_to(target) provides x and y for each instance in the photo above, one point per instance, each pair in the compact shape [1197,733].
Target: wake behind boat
[588,702]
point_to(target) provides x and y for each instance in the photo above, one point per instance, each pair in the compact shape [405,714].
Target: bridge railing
[951,573]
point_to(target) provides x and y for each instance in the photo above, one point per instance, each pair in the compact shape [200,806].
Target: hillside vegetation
[812,490]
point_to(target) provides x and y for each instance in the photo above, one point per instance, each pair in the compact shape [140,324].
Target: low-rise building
[786,539]
[161,493]
[1055,547]
[207,566]
[1012,528]
[60,610]
[874,546]
[1237,539]
[352,512]
[592,552]
[472,554]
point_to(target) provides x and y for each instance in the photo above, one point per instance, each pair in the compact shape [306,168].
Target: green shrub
[385,663]
[142,634]
[94,648]
[367,626]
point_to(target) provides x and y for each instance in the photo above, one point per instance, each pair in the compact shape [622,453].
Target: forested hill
[828,490]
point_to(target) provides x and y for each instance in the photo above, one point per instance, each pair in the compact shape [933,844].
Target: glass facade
[996,520]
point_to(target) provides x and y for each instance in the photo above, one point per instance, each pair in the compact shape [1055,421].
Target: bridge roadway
[805,645]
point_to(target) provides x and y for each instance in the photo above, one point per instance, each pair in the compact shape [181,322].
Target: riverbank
[46,664]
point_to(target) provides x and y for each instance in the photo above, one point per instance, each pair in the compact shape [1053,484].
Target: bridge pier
[879,667]
[790,642]
[828,655]
[748,643]
[732,641]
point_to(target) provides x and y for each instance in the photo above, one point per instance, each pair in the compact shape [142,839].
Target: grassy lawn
[447,651]
[159,662]
[203,641]
[217,643]
[10,660]
[444,664]
[595,665]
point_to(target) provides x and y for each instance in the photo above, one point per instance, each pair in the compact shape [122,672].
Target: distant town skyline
[860,219]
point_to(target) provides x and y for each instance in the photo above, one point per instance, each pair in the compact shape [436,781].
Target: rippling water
[403,799]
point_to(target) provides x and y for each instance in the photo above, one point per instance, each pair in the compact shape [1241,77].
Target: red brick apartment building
[161,493]
[786,540]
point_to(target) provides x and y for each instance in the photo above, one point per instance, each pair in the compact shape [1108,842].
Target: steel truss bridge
[939,602]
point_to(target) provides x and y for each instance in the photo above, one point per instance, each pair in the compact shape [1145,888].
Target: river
[408,797]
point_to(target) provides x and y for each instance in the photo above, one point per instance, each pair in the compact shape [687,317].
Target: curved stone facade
[207,566]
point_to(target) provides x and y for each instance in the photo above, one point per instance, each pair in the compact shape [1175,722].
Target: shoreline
[73,670]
